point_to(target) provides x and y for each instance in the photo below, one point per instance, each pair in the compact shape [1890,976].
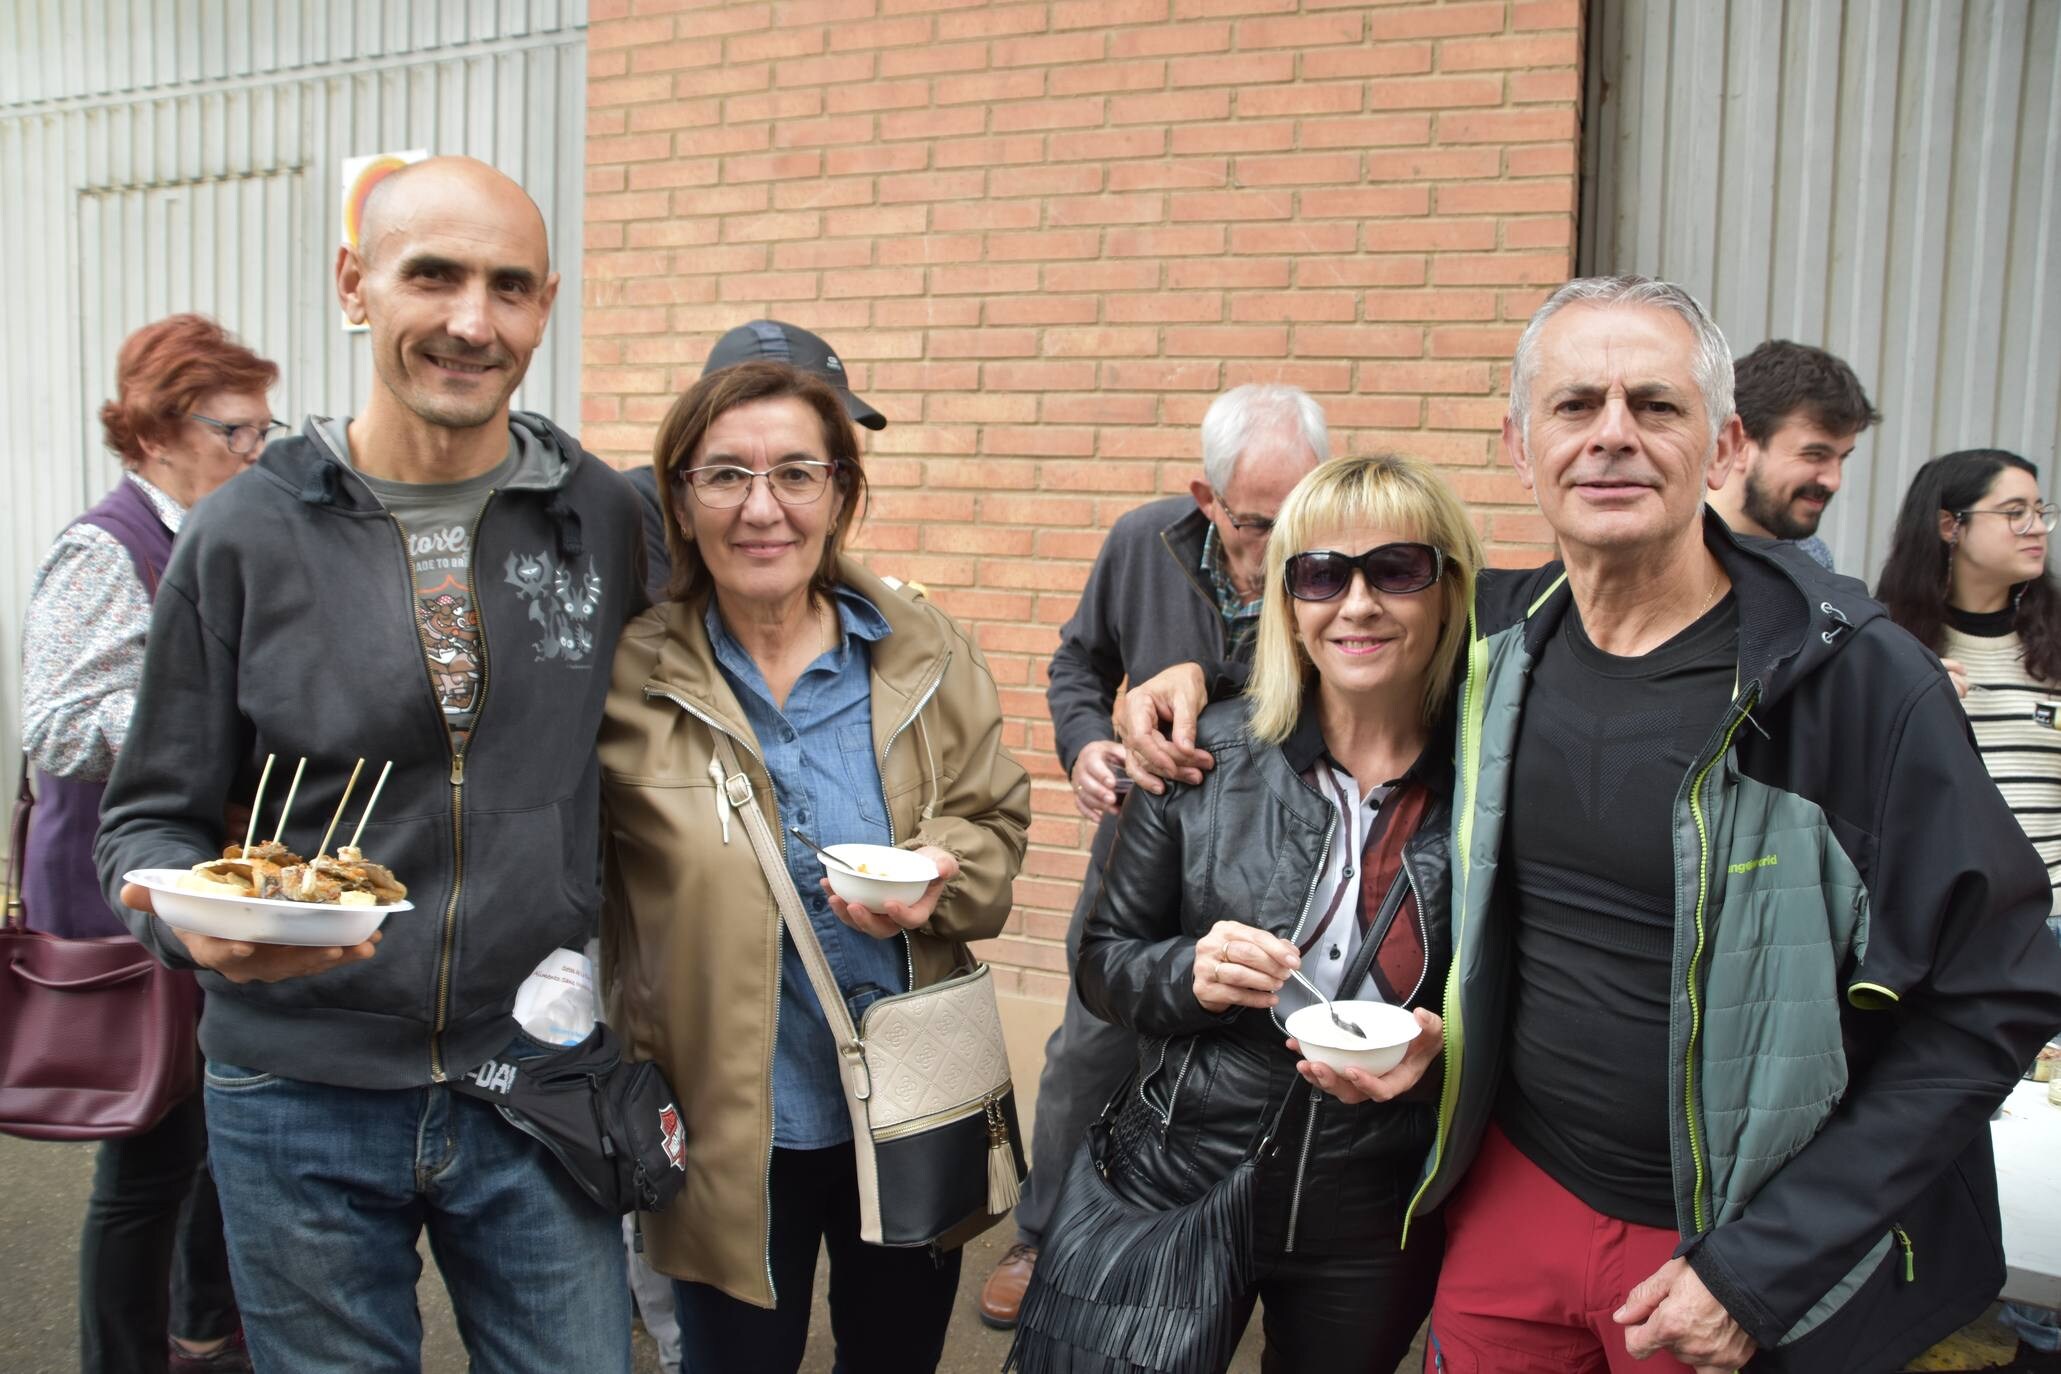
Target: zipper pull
[1910,1252]
[457,770]
[715,772]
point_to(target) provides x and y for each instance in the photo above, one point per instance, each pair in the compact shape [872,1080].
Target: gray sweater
[1146,607]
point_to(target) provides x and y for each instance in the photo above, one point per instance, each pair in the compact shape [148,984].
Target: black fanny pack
[612,1122]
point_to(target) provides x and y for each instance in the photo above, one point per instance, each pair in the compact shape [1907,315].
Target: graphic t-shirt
[439,520]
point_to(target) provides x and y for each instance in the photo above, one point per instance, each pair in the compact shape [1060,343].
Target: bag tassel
[1122,1290]
[1003,1189]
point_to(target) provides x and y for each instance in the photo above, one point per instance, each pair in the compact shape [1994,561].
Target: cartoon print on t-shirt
[450,640]
[559,600]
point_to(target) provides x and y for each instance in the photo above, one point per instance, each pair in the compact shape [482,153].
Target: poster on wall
[360,175]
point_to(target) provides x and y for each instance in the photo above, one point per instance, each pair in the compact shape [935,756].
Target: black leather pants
[1340,1294]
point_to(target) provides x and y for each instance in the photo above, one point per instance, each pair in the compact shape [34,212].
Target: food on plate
[240,872]
[270,851]
[377,879]
[273,871]
[349,879]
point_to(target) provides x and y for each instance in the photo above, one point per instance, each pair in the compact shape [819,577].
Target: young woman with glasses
[1322,830]
[1967,574]
[860,713]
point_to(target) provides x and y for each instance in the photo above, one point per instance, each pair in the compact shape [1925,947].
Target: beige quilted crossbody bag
[925,1075]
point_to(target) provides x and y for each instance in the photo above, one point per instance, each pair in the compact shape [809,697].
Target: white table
[2028,1145]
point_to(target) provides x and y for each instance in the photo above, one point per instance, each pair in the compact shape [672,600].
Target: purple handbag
[97,1038]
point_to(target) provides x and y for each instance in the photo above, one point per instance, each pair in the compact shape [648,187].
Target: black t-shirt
[1589,873]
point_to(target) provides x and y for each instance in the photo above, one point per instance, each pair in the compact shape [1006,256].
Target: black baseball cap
[784,343]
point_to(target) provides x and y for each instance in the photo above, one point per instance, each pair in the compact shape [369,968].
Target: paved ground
[44,1195]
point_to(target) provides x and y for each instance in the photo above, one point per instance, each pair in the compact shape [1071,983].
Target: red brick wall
[1043,235]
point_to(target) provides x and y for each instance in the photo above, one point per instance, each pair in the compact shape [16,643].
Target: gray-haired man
[1177,579]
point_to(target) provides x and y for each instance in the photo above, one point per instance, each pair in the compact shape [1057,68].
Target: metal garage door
[163,155]
[1876,177]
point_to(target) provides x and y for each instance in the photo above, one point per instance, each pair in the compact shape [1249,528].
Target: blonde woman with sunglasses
[1317,845]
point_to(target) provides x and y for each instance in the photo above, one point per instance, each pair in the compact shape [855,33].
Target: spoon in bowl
[827,856]
[1336,1020]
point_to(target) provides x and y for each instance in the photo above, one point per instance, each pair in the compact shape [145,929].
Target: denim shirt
[819,751]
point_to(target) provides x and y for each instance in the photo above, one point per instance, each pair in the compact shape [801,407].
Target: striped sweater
[2022,755]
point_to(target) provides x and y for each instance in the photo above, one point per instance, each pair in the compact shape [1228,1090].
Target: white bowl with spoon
[872,875]
[1386,1031]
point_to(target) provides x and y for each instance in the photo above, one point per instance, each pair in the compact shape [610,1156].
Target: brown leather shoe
[1002,1294]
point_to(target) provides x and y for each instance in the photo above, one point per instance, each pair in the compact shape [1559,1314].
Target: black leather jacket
[1249,844]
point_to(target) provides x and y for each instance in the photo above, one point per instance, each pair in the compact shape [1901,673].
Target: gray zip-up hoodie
[285,626]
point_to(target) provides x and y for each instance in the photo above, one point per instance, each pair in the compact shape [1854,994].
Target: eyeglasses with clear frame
[241,439]
[723,486]
[2024,519]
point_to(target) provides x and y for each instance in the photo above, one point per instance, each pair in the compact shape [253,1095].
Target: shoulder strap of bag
[18,848]
[739,792]
[1355,974]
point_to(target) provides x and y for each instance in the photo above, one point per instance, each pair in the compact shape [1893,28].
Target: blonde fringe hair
[1378,491]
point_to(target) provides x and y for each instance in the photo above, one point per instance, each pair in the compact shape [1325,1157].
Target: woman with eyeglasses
[860,713]
[1317,844]
[189,413]
[1967,574]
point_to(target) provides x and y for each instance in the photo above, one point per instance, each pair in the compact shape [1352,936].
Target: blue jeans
[325,1190]
[151,1258]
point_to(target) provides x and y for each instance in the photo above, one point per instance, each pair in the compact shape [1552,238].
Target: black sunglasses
[1392,569]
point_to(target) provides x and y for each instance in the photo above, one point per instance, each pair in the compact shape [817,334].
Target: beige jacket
[690,930]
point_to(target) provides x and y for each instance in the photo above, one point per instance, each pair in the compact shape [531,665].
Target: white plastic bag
[557,1003]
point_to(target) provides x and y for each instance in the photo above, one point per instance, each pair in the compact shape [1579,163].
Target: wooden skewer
[370,802]
[308,873]
[342,802]
[292,788]
[250,832]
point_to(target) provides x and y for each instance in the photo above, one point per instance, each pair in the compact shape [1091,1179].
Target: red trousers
[1532,1275]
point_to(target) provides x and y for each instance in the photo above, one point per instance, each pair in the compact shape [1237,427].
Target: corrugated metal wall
[164,155]
[1881,178]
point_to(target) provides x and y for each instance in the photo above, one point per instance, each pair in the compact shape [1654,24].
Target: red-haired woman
[189,413]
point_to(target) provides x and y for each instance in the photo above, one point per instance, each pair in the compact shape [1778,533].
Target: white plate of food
[275,897]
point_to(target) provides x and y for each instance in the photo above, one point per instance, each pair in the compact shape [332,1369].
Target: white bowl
[262,920]
[892,875]
[1389,1028]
